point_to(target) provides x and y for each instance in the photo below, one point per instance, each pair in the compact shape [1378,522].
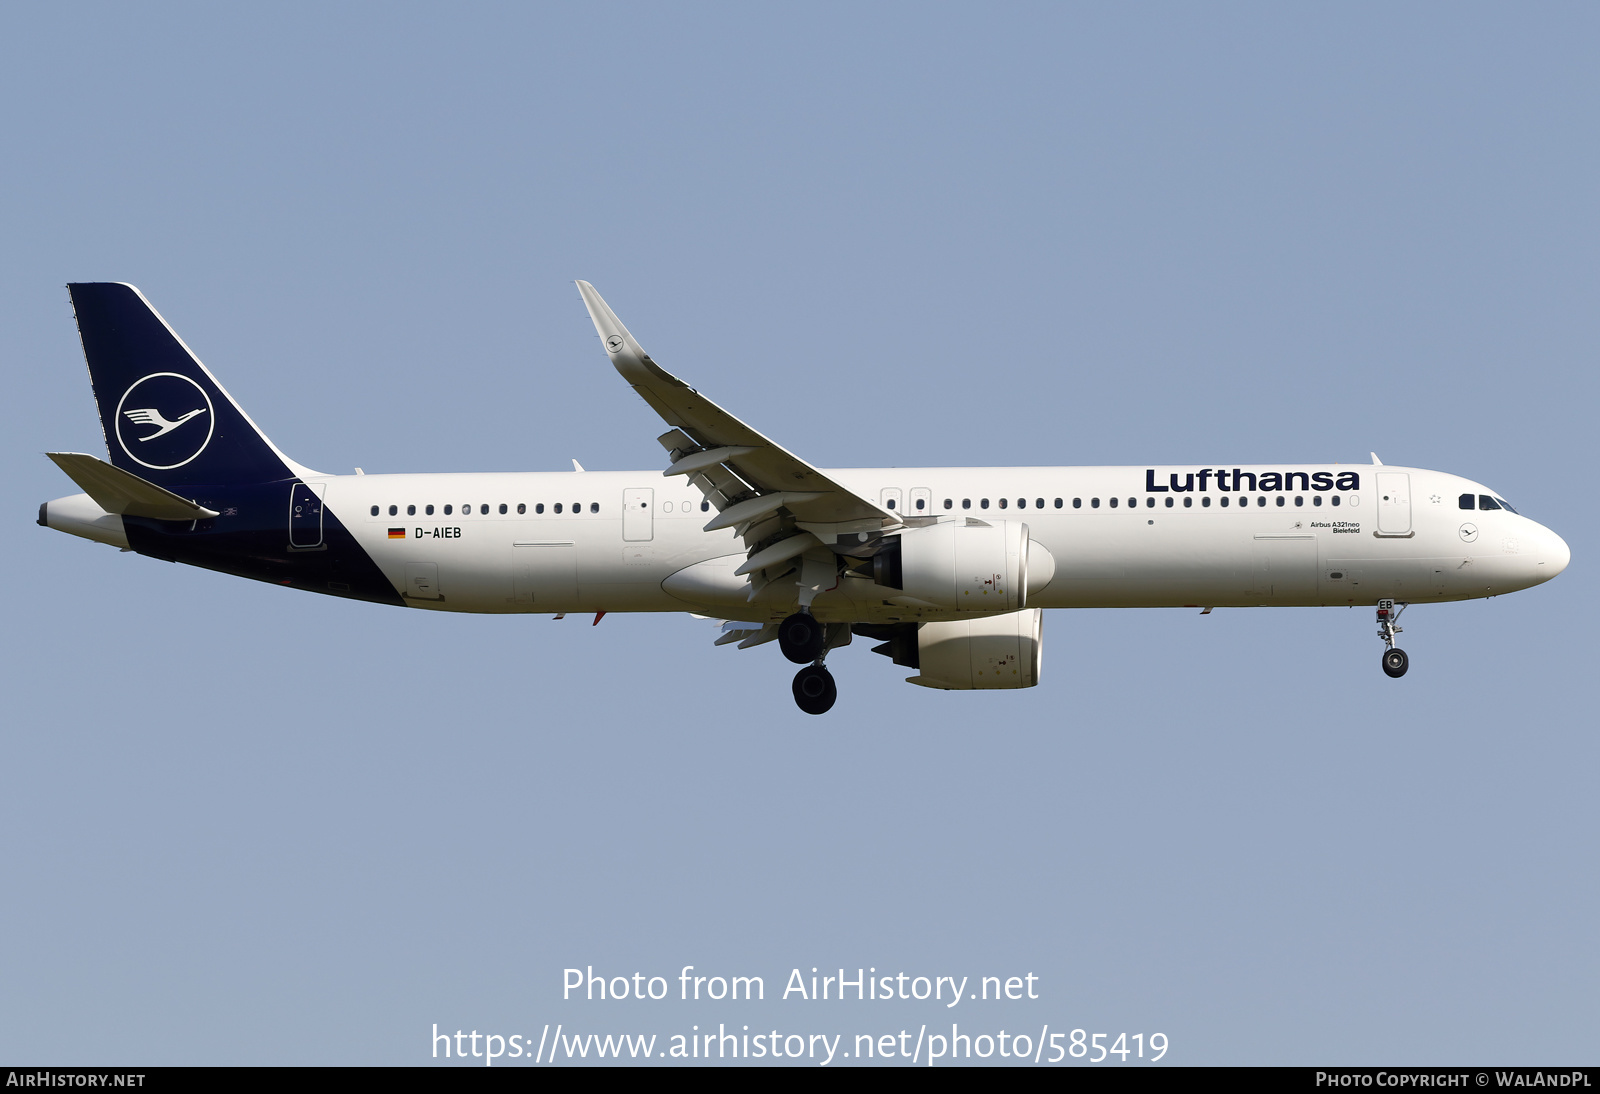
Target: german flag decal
[397,533]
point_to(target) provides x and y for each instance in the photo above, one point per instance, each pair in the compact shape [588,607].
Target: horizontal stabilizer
[126,494]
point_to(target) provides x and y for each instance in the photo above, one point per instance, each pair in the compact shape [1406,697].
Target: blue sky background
[242,825]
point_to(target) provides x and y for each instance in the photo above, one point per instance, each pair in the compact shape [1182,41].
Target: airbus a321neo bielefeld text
[948,569]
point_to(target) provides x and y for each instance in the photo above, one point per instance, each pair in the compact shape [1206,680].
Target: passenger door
[1394,503]
[638,514]
[305,515]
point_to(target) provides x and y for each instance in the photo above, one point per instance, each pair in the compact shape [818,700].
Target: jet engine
[989,653]
[967,566]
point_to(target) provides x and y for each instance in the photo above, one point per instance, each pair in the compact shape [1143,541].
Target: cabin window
[1316,499]
[705,507]
[949,503]
[558,507]
[1003,503]
[1188,503]
[889,504]
[966,503]
[921,504]
[483,509]
[1169,503]
[594,507]
[411,510]
[1038,503]
[448,509]
[1223,501]
[1261,503]
[1149,503]
[1022,503]
[1058,503]
[538,507]
[374,510]
[394,510]
[1334,500]
[1205,502]
[1280,501]
[1298,500]
[1094,503]
[983,503]
[1486,502]
[522,507]
[1113,503]
[1468,501]
[428,509]
[1077,503]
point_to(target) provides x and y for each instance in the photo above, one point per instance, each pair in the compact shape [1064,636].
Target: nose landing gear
[1395,661]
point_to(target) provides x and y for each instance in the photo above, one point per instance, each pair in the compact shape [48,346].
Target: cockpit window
[1469,501]
[1486,502]
[1506,505]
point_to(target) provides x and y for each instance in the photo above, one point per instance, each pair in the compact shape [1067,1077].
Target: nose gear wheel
[1395,661]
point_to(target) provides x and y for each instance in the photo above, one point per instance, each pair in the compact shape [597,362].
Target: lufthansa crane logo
[164,421]
[614,343]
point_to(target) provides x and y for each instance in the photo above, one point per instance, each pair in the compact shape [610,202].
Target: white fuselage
[633,541]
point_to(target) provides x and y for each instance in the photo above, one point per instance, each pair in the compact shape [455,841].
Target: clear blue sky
[247,825]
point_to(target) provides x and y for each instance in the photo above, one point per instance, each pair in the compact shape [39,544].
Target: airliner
[947,569]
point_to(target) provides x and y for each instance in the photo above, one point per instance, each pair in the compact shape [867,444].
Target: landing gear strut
[814,689]
[1395,661]
[801,638]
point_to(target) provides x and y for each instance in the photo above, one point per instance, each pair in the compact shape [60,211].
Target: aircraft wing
[746,476]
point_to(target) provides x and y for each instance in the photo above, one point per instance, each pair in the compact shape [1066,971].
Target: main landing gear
[814,689]
[803,639]
[1395,661]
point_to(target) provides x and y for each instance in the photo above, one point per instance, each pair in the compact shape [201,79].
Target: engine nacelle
[967,566]
[988,654]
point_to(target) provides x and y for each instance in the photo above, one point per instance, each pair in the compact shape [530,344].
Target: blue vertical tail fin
[166,419]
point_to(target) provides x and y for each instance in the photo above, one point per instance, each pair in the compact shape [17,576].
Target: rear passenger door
[638,514]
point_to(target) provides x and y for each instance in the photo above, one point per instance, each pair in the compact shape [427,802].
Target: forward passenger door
[1394,503]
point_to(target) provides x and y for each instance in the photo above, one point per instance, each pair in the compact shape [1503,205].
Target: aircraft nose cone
[1558,555]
